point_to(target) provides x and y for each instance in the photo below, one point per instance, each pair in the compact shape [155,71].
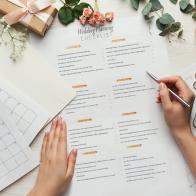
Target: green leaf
[166,19]
[174,1]
[72,2]
[135,4]
[65,15]
[172,28]
[175,27]
[78,9]
[156,5]
[165,31]
[194,16]
[147,9]
[183,4]
[148,18]
[188,9]
[180,34]
[160,26]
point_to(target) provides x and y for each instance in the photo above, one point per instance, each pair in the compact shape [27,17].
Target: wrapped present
[36,15]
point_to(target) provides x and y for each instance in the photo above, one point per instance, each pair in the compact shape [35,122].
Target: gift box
[38,22]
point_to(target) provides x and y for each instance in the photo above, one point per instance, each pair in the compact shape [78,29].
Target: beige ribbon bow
[27,11]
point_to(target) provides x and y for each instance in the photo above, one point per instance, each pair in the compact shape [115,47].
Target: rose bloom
[87,12]
[109,16]
[92,21]
[83,20]
[99,18]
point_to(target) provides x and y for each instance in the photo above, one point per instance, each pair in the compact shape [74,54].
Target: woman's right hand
[176,115]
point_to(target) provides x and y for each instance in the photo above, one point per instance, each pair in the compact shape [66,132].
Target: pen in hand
[182,101]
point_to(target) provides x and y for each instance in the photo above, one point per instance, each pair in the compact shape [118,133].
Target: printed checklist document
[124,146]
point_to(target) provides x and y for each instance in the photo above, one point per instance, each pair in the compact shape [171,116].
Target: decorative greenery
[186,7]
[165,22]
[13,38]
[71,10]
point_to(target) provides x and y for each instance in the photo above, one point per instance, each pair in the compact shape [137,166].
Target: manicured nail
[46,135]
[75,151]
[162,86]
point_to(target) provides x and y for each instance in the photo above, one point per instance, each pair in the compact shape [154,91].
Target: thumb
[164,95]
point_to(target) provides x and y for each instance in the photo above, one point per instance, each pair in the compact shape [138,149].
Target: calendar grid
[12,155]
[20,113]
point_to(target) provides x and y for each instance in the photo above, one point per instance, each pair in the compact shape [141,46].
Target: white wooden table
[181,54]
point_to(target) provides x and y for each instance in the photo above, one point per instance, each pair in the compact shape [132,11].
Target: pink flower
[92,21]
[87,12]
[83,20]
[109,16]
[99,18]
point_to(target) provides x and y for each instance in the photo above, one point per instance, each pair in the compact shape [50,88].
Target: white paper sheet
[125,147]
[16,158]
[36,78]
[28,116]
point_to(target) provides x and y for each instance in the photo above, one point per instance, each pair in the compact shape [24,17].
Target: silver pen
[171,92]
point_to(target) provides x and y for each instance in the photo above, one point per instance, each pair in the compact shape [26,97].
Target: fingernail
[75,151]
[46,134]
[162,86]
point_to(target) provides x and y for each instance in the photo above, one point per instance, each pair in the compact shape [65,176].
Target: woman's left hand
[56,167]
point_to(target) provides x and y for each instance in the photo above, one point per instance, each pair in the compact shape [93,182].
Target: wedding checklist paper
[16,158]
[124,146]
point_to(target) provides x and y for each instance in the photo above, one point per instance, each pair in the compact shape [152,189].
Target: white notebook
[16,158]
[28,116]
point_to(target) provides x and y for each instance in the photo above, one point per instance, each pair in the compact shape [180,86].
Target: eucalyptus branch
[165,22]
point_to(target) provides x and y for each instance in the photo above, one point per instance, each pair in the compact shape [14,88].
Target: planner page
[124,146]
[28,116]
[16,158]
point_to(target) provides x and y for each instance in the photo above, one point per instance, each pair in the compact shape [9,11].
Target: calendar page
[16,158]
[28,116]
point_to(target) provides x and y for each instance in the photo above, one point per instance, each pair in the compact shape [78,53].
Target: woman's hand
[56,167]
[176,115]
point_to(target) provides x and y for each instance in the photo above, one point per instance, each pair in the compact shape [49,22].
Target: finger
[170,79]
[158,99]
[56,137]
[47,145]
[176,81]
[165,98]
[62,146]
[71,164]
[43,149]
[51,133]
